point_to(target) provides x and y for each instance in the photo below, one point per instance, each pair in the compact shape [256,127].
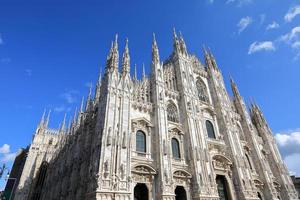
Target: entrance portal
[141,192]
[180,193]
[222,187]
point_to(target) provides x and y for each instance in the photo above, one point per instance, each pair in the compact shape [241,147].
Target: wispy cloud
[273,25]
[292,13]
[292,35]
[239,2]
[62,108]
[261,46]
[70,96]
[244,23]
[1,40]
[28,72]
[5,154]
[5,60]
[262,18]
[292,39]
[289,145]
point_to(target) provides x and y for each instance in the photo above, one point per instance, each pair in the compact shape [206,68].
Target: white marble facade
[175,135]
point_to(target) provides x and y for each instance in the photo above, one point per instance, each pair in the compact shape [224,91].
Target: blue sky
[51,50]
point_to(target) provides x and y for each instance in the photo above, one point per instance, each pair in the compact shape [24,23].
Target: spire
[210,60]
[135,72]
[81,106]
[126,59]
[98,85]
[175,42]
[48,119]
[182,44]
[155,52]
[42,122]
[63,125]
[144,74]
[234,88]
[112,62]
[89,99]
[99,77]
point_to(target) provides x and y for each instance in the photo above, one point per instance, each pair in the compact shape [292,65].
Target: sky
[51,51]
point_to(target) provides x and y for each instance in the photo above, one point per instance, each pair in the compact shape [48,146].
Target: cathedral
[173,135]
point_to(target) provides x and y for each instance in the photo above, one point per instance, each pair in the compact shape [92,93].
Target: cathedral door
[180,193]
[141,192]
[222,188]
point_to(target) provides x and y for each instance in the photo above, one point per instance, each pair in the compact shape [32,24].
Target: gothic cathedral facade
[175,135]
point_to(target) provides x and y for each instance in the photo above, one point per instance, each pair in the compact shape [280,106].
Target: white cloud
[296,45]
[292,35]
[8,157]
[261,46]
[5,149]
[293,163]
[244,23]
[273,25]
[292,13]
[70,96]
[289,146]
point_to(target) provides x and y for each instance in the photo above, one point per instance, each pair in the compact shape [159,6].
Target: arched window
[202,90]
[140,141]
[175,148]
[210,129]
[248,159]
[172,113]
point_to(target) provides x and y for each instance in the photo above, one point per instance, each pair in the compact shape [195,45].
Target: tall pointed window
[210,129]
[172,113]
[175,148]
[140,141]
[249,163]
[202,90]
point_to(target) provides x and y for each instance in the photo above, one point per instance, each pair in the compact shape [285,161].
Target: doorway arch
[141,192]
[180,193]
[222,187]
